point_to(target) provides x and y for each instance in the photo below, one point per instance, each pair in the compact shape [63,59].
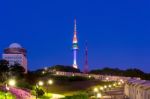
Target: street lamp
[119,83]
[101,88]
[105,86]
[99,95]
[95,89]
[50,82]
[40,83]
[89,76]
[114,85]
[11,82]
[109,86]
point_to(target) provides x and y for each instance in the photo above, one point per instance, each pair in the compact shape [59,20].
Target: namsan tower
[75,46]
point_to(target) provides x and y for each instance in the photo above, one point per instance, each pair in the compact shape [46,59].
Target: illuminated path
[21,94]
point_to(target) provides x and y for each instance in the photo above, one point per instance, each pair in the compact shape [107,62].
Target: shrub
[40,92]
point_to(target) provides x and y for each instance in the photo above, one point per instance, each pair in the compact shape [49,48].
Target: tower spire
[75,32]
[75,26]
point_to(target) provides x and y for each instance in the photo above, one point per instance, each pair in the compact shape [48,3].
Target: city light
[89,76]
[121,81]
[107,78]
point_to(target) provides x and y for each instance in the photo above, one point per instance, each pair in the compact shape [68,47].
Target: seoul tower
[75,46]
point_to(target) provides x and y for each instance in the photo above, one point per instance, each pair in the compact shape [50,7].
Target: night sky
[117,31]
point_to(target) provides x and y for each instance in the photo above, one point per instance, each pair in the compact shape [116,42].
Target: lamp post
[99,95]
[40,83]
[102,89]
[11,82]
[49,82]
[95,91]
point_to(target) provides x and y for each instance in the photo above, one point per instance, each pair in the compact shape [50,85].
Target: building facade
[16,54]
[137,89]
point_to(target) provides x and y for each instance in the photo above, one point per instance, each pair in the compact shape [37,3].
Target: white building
[16,54]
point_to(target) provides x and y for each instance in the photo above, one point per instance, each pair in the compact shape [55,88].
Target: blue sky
[117,31]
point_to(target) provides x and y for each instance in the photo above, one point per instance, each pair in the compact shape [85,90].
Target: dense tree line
[64,68]
[132,72]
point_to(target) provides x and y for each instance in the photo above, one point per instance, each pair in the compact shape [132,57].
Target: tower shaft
[75,46]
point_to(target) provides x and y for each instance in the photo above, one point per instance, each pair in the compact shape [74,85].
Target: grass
[9,95]
[70,88]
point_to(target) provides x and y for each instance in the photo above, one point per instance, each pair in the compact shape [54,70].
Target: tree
[4,69]
[17,70]
[64,68]
[134,73]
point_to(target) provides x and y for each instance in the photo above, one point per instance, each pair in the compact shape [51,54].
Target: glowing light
[43,72]
[11,82]
[119,83]
[105,86]
[40,83]
[57,73]
[99,95]
[114,85]
[95,89]
[109,86]
[107,78]
[50,82]
[101,88]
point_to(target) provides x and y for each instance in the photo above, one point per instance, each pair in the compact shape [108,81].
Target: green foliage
[108,71]
[24,84]
[133,72]
[4,69]
[69,78]
[39,92]
[9,95]
[77,96]
[77,78]
[64,68]
[17,70]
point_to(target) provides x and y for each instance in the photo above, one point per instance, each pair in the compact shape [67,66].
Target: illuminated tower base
[75,59]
